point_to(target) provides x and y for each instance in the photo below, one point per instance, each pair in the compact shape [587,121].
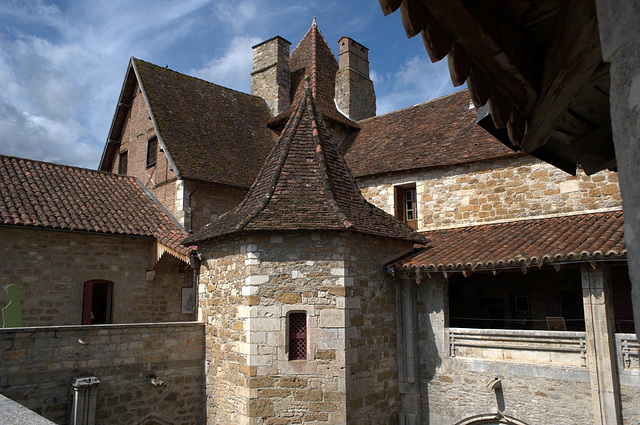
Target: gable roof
[313,57]
[432,134]
[305,185]
[209,132]
[526,243]
[50,196]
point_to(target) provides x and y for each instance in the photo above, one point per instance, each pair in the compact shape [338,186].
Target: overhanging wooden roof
[534,68]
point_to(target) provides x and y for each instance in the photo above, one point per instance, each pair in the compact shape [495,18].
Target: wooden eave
[536,65]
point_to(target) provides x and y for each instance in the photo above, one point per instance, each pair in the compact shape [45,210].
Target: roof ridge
[198,78]
[320,156]
[417,105]
[76,167]
[289,130]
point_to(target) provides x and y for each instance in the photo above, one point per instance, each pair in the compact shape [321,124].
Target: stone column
[601,357]
[619,25]
[408,355]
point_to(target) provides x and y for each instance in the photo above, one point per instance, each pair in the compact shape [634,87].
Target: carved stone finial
[314,23]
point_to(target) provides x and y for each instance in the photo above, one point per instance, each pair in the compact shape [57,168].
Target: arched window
[96,306]
[490,419]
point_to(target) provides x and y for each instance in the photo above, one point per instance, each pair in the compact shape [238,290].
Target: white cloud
[416,81]
[237,14]
[233,68]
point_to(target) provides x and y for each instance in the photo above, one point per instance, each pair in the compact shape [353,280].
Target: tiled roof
[212,133]
[52,196]
[527,243]
[313,57]
[433,134]
[305,185]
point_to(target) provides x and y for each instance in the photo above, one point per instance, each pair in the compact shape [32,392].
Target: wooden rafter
[495,42]
[573,57]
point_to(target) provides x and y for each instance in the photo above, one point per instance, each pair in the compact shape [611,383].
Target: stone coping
[92,327]
[12,413]
[517,332]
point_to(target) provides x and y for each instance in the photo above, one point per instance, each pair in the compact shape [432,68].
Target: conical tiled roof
[306,185]
[312,57]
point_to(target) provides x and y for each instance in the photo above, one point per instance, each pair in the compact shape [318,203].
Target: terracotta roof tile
[305,185]
[52,196]
[527,243]
[433,134]
[313,57]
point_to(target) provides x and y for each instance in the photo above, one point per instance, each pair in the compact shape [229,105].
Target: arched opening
[490,419]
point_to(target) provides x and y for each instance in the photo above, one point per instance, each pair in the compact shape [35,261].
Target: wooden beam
[389,6]
[436,40]
[414,16]
[573,57]
[459,65]
[495,42]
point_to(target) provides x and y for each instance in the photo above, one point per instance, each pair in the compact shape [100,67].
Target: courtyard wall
[38,366]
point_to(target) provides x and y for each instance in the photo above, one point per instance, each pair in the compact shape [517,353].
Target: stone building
[499,293]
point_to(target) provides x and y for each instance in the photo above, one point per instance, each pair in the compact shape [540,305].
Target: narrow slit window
[123,163]
[152,151]
[297,336]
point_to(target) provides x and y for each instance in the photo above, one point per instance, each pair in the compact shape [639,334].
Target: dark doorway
[96,307]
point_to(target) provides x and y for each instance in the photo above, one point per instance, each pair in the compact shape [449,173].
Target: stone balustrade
[552,347]
[627,346]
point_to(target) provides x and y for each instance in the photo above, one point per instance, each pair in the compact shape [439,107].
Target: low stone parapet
[144,370]
[551,347]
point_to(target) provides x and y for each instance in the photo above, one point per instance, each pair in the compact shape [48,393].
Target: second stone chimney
[270,78]
[355,95]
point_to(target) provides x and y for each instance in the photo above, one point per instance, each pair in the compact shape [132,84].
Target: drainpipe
[194,262]
[189,223]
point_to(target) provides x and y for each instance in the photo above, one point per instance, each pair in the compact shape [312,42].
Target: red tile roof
[51,196]
[433,134]
[527,243]
[305,185]
[312,57]
[211,133]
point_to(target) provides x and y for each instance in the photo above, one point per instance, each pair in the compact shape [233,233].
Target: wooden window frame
[152,151]
[406,210]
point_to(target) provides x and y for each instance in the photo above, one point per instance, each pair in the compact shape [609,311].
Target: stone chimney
[270,78]
[354,89]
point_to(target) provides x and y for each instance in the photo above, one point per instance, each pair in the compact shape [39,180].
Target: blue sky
[62,63]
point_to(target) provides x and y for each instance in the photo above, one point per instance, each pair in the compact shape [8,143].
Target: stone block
[331,318]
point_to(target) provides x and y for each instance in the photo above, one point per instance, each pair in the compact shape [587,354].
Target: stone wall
[209,201]
[50,267]
[38,365]
[248,288]
[536,389]
[498,190]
